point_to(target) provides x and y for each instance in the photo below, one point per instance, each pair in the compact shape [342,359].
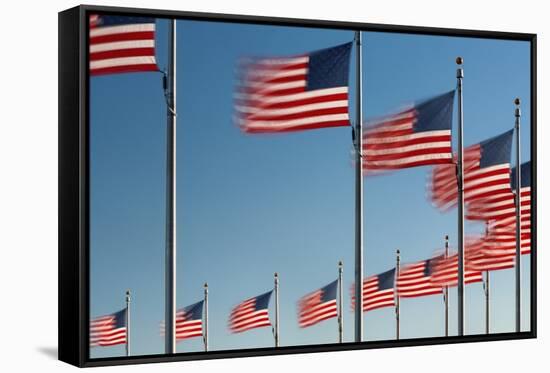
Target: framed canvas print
[234,186]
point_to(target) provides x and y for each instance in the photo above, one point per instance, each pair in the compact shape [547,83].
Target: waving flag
[188,322]
[378,291]
[445,272]
[500,212]
[417,136]
[251,313]
[121,44]
[503,206]
[295,93]
[108,330]
[415,280]
[501,239]
[481,258]
[318,305]
[486,173]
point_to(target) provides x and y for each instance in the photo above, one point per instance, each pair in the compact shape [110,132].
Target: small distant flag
[417,136]
[486,173]
[108,330]
[378,291]
[121,44]
[318,305]
[415,280]
[251,313]
[445,272]
[189,321]
[294,93]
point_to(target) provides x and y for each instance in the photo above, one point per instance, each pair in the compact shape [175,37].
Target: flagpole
[340,302]
[205,331]
[276,334]
[397,267]
[518,216]
[446,291]
[487,290]
[358,194]
[128,322]
[170,280]
[460,179]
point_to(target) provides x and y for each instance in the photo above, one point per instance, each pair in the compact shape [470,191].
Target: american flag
[251,313]
[501,239]
[481,258]
[378,291]
[415,280]
[500,212]
[294,93]
[108,330]
[503,207]
[318,305]
[417,136]
[497,207]
[486,173]
[188,321]
[120,44]
[445,271]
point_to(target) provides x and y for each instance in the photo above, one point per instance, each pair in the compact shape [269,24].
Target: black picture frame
[74,187]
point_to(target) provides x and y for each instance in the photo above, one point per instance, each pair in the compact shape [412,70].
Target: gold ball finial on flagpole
[459,60]
[517,101]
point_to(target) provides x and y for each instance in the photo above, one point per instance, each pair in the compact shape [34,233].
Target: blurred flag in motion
[250,314]
[417,136]
[501,239]
[108,330]
[500,212]
[481,258]
[415,280]
[121,44]
[486,173]
[318,305]
[503,206]
[378,291]
[283,94]
[445,271]
[188,322]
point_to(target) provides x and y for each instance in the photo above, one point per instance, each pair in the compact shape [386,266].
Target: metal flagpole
[486,288]
[205,331]
[170,92]
[460,179]
[127,322]
[340,302]
[518,216]
[276,331]
[358,194]
[397,267]
[446,291]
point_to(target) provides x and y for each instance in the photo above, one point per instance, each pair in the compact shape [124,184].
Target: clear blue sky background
[248,206]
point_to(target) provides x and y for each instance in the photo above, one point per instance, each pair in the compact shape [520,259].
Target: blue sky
[252,205]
